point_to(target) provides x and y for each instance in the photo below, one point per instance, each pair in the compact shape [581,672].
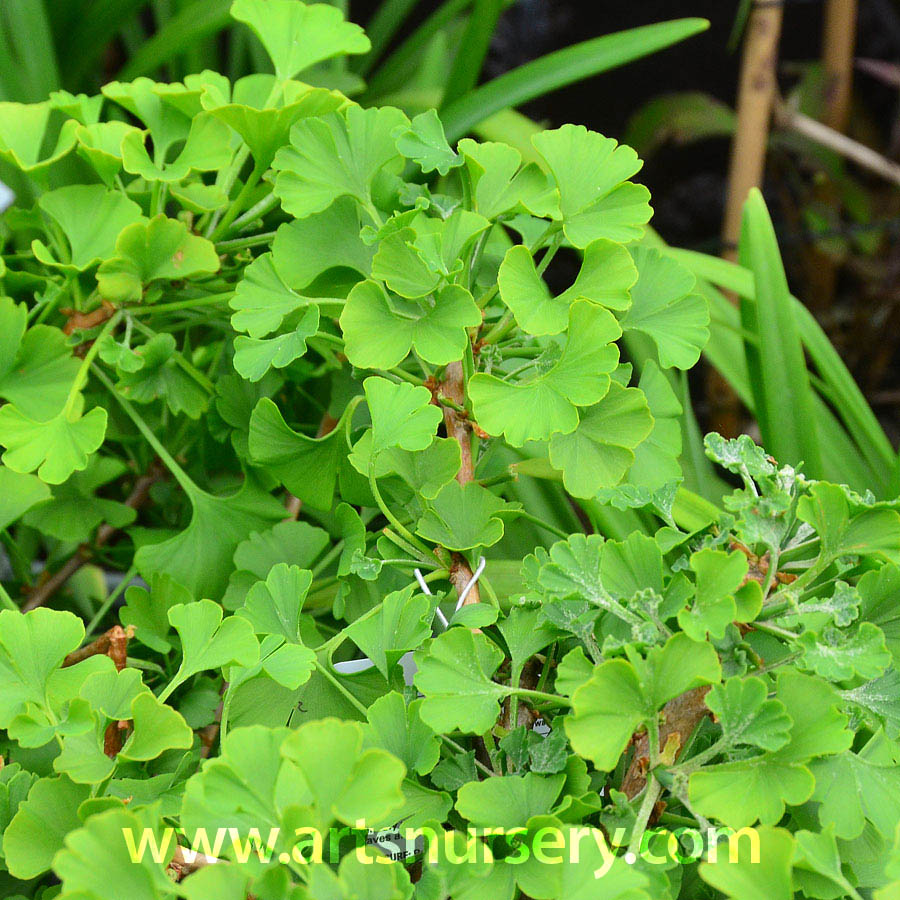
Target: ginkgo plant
[289,388]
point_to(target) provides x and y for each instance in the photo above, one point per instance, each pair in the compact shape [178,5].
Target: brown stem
[838,40]
[756,95]
[46,589]
[680,717]
[459,428]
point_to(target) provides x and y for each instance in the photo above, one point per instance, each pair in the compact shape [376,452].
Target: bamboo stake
[756,96]
[838,43]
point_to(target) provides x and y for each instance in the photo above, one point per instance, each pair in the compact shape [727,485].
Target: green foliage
[296,364]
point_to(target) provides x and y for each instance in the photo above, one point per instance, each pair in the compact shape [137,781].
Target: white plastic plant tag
[541,726]
[393,843]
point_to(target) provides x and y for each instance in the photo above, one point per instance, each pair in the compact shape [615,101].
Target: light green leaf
[656,458]
[208,642]
[399,729]
[91,218]
[746,716]
[595,198]
[157,728]
[838,655]
[297,36]
[402,415]
[253,357]
[40,825]
[719,575]
[23,136]
[19,493]
[606,276]
[335,156]
[37,367]
[509,801]
[664,306]
[101,145]
[273,606]
[761,871]
[534,410]
[425,142]
[401,623]
[96,862]
[379,331]
[620,696]
[56,447]
[343,781]
[501,186]
[599,452]
[206,149]
[454,673]
[149,251]
[462,517]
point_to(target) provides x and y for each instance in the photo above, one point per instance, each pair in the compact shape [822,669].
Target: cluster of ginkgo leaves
[277,372]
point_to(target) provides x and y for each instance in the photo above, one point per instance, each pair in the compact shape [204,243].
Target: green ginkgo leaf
[149,251]
[398,728]
[596,200]
[218,525]
[501,186]
[606,276]
[533,410]
[206,148]
[266,129]
[91,219]
[18,494]
[746,716]
[101,145]
[664,306]
[454,673]
[297,36]
[621,695]
[253,357]
[713,608]
[208,641]
[24,136]
[401,267]
[425,142]
[159,107]
[95,860]
[839,655]
[37,367]
[401,623]
[335,156]
[656,458]
[760,874]
[157,728]
[379,331]
[161,375]
[462,517]
[291,456]
[599,452]
[32,648]
[54,447]
[402,415]
[273,606]
[39,827]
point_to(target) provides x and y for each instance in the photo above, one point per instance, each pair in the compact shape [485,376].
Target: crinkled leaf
[425,142]
[253,357]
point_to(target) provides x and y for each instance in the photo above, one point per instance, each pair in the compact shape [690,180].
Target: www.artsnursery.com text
[549,845]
